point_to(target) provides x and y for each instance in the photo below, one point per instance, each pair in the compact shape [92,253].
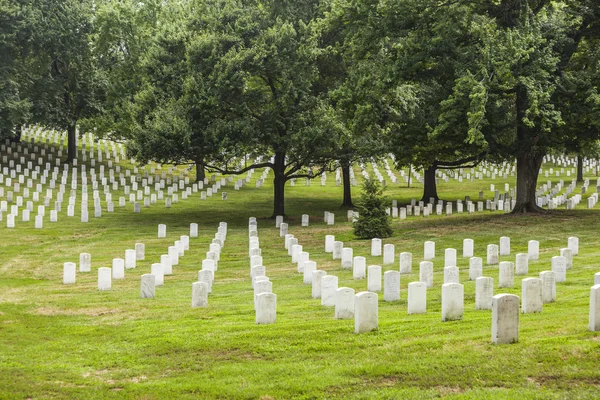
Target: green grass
[72,341]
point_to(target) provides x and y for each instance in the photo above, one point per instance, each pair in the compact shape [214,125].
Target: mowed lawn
[73,341]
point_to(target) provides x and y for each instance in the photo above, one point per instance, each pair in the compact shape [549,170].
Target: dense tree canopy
[310,85]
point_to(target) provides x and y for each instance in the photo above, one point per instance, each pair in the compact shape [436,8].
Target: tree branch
[239,171]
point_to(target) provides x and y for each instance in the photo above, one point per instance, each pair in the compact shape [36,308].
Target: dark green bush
[373,221]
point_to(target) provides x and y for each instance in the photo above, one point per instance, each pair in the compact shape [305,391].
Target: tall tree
[15,17]
[68,84]
[256,65]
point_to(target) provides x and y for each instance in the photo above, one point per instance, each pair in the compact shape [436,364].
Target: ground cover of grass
[72,341]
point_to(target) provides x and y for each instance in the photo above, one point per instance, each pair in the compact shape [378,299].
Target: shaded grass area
[73,341]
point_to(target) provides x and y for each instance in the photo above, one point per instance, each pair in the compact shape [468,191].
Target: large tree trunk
[71,142]
[429,185]
[200,173]
[528,168]
[279,185]
[347,202]
[579,168]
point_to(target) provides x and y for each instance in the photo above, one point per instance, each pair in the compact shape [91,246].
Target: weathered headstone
[504,246]
[548,286]
[305,219]
[337,250]
[347,256]
[329,286]
[344,303]
[531,295]
[266,308]
[505,319]
[316,283]
[452,301]
[559,267]
[391,286]
[118,268]
[193,230]
[492,254]
[130,259]
[365,312]
[426,273]
[140,251]
[104,278]
[451,275]
[573,244]
[85,262]
[475,268]
[162,231]
[568,255]
[405,263]
[309,268]
[199,294]
[148,284]
[329,240]
[359,268]
[388,254]
[522,264]
[594,324]
[158,271]
[506,273]
[484,291]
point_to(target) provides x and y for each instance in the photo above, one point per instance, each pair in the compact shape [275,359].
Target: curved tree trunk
[429,185]
[528,167]
[279,185]
[200,172]
[347,202]
[71,142]
[579,168]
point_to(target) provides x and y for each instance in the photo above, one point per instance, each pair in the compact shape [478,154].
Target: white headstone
[391,286]
[148,284]
[388,254]
[344,303]
[568,255]
[375,247]
[329,286]
[199,294]
[305,219]
[85,262]
[451,275]
[426,273]
[450,258]
[573,244]
[140,252]
[309,268]
[165,260]
[548,286]
[337,250]
[266,308]
[531,295]
[484,291]
[594,324]
[118,268]
[374,278]
[162,231]
[359,268]
[316,283]
[504,246]
[468,245]
[193,230]
[533,249]
[329,239]
[559,267]
[104,278]
[347,256]
[405,263]
[69,272]
[429,250]
[506,272]
[130,259]
[505,319]
[452,301]
[157,270]
[365,312]
[522,264]
[417,298]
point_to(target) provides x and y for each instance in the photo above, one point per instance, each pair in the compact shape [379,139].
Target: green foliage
[373,221]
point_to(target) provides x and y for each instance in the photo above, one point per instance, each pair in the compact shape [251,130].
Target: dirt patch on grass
[91,312]
[449,390]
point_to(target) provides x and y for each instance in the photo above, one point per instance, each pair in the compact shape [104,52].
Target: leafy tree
[254,68]
[14,49]
[68,84]
[373,221]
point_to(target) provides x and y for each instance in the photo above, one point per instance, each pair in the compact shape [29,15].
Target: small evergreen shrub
[372,222]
